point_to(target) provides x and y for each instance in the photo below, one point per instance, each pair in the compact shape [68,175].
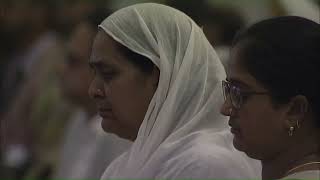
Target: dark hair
[283,54]
[142,62]
[97,16]
[226,21]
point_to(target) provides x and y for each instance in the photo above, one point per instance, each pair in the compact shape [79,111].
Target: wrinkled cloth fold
[183,134]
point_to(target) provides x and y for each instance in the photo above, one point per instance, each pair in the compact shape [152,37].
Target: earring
[290,132]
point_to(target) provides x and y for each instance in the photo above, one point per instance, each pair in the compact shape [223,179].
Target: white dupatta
[183,134]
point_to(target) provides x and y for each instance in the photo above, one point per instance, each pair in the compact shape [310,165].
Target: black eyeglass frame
[236,95]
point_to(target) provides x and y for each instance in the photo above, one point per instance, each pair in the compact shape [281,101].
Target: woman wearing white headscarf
[180,133]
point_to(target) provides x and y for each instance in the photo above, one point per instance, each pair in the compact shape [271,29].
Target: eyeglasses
[236,95]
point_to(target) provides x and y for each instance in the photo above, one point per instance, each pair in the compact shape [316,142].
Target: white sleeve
[221,165]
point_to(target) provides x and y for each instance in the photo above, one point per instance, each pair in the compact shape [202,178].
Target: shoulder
[210,158]
[115,166]
[312,174]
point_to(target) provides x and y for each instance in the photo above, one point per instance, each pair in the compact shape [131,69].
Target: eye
[72,60]
[103,73]
[107,76]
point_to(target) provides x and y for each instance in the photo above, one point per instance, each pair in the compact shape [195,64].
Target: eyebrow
[100,65]
[94,64]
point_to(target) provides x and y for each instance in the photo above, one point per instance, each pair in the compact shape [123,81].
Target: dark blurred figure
[73,12]
[219,24]
[35,111]
[3,52]
[33,50]
[86,150]
[26,28]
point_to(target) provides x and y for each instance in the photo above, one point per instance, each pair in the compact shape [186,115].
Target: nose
[226,107]
[96,89]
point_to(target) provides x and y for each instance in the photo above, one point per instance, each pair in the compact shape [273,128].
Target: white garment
[181,135]
[86,152]
[310,175]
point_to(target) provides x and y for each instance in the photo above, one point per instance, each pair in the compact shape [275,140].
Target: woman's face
[257,125]
[122,92]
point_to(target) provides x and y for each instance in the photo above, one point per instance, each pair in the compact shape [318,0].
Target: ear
[297,111]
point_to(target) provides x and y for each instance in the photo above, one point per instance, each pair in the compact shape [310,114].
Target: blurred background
[49,127]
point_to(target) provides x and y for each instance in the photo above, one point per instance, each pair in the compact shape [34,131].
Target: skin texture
[121,91]
[261,125]
[257,124]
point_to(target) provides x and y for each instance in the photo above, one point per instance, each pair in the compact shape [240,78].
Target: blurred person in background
[39,112]
[36,112]
[32,98]
[71,13]
[219,24]
[86,149]
[4,53]
[29,35]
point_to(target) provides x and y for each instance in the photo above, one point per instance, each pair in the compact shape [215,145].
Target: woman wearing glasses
[271,96]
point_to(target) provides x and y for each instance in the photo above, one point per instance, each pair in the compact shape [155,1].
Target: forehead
[105,51]
[103,45]
[237,73]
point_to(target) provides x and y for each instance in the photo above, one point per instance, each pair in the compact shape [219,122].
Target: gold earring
[290,132]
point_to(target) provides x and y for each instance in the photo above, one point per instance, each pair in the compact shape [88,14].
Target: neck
[280,166]
[90,110]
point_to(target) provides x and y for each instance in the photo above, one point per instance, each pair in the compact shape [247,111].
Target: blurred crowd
[49,126]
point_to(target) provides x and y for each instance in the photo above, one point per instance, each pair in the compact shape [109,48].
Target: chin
[238,145]
[108,127]
[241,147]
[253,155]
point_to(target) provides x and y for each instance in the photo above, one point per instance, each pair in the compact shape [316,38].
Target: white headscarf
[183,116]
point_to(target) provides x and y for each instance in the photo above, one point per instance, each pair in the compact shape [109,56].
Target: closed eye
[107,76]
[105,72]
